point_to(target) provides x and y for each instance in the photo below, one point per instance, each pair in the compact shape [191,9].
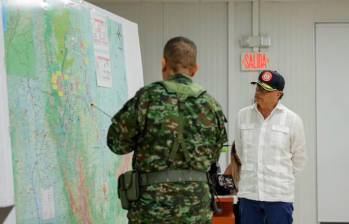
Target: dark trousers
[262,212]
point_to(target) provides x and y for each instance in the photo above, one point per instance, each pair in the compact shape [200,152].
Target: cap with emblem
[270,80]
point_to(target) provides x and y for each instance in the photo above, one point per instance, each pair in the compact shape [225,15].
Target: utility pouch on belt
[128,188]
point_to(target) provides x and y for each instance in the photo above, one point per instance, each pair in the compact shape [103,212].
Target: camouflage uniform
[148,124]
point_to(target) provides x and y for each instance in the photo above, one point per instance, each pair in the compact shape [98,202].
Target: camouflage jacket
[150,125]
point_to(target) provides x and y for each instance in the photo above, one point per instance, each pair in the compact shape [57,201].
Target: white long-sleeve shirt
[271,151]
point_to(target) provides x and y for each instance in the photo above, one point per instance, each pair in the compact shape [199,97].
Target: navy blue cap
[270,80]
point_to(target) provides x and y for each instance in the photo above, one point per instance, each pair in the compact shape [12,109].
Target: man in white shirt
[270,142]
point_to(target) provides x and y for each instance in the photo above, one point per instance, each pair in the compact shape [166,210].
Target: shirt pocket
[247,134]
[280,136]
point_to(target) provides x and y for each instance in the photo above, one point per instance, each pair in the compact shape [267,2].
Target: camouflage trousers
[176,203]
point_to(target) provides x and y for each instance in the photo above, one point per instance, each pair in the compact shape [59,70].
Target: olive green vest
[183,92]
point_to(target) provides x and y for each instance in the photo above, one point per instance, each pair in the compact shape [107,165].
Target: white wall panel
[206,25]
[243,90]
[332,121]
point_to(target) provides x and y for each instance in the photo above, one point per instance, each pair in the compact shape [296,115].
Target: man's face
[264,98]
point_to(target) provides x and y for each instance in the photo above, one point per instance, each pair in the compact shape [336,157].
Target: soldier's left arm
[124,130]
[298,147]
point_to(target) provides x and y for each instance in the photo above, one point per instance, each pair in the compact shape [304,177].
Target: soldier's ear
[164,69]
[194,70]
[163,64]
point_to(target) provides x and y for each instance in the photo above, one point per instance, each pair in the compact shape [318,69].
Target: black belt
[169,176]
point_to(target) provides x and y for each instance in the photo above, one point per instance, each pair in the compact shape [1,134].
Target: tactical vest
[183,92]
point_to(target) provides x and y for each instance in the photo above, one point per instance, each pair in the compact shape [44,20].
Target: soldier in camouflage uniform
[171,125]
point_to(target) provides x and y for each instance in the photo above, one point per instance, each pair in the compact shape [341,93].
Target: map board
[61,57]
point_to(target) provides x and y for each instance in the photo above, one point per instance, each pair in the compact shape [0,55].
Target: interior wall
[217,29]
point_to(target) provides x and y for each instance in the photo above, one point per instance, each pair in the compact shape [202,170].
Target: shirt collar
[278,107]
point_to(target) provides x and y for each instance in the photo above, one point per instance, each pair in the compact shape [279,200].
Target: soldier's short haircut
[180,53]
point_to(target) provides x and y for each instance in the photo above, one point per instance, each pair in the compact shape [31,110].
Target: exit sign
[254,61]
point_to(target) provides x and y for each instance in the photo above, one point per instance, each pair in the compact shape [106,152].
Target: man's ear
[194,70]
[163,64]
